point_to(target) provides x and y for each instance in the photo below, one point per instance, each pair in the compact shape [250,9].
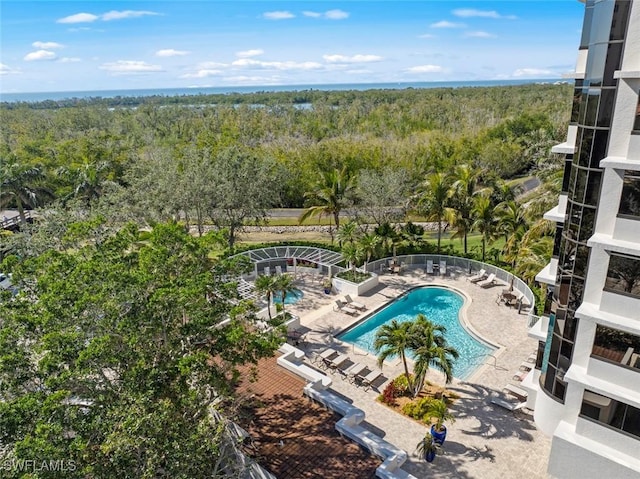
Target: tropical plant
[268,286]
[513,225]
[394,339]
[284,285]
[433,199]
[430,349]
[369,244]
[331,193]
[22,185]
[484,221]
[439,411]
[427,447]
[462,190]
[348,233]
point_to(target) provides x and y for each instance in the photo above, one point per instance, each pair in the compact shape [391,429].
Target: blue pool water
[439,305]
[291,297]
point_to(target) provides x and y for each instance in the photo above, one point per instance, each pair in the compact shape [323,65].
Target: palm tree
[90,179]
[439,411]
[513,225]
[430,349]
[394,339]
[21,184]
[283,284]
[462,191]
[268,286]
[352,253]
[331,194]
[369,246]
[433,201]
[484,220]
[348,233]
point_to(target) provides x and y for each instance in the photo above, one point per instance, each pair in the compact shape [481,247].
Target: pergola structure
[326,260]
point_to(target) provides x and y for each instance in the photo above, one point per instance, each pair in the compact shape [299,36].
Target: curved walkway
[485,441]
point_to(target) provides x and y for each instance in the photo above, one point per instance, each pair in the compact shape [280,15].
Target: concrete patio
[486,441]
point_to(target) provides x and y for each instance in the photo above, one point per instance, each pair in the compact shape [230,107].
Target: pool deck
[485,441]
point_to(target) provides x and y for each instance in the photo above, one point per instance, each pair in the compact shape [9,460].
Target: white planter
[343,286]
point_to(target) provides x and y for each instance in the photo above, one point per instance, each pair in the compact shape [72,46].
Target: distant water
[62,95]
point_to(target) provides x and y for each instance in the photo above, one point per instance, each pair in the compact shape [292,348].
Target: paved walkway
[485,441]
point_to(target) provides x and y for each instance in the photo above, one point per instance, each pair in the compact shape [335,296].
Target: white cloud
[446,24]
[472,12]
[426,35]
[211,65]
[130,67]
[287,65]
[70,60]
[255,80]
[119,15]
[533,72]
[480,35]
[7,70]
[426,69]
[79,18]
[328,15]
[279,15]
[202,74]
[250,53]
[336,15]
[360,71]
[46,45]
[352,59]
[170,52]
[39,55]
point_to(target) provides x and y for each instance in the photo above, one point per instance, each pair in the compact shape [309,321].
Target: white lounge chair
[354,304]
[520,375]
[354,370]
[443,268]
[429,269]
[340,306]
[516,391]
[334,363]
[267,271]
[482,274]
[487,283]
[321,358]
[627,356]
[368,380]
[511,406]
[278,270]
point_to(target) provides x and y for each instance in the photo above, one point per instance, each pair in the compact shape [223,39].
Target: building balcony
[618,243]
[557,212]
[569,146]
[548,273]
[538,330]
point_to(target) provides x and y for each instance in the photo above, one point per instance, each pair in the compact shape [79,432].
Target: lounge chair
[354,370]
[443,268]
[321,358]
[340,306]
[278,270]
[627,356]
[368,380]
[482,274]
[429,269]
[526,366]
[520,375]
[350,302]
[516,391]
[334,363]
[511,406]
[487,283]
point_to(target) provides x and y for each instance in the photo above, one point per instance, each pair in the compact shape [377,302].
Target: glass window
[599,149]
[592,194]
[614,56]
[636,124]
[630,200]
[607,99]
[608,411]
[620,18]
[577,100]
[593,100]
[617,347]
[584,153]
[623,275]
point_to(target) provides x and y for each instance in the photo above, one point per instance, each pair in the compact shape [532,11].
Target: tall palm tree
[433,200]
[462,190]
[394,339]
[330,194]
[268,286]
[283,285]
[430,349]
[369,244]
[534,254]
[352,253]
[348,233]
[484,220]
[513,225]
[22,185]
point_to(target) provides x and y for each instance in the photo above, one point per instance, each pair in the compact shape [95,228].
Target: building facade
[585,390]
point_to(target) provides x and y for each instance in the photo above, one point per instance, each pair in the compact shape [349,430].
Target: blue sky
[102,45]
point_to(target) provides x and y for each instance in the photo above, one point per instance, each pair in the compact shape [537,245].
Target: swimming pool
[439,305]
[292,297]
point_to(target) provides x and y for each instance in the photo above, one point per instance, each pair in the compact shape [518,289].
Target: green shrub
[419,409]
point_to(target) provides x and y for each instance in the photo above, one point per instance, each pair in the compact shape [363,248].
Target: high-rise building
[586,387]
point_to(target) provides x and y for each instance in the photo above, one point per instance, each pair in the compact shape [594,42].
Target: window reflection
[617,347]
[623,275]
[610,412]
[630,200]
